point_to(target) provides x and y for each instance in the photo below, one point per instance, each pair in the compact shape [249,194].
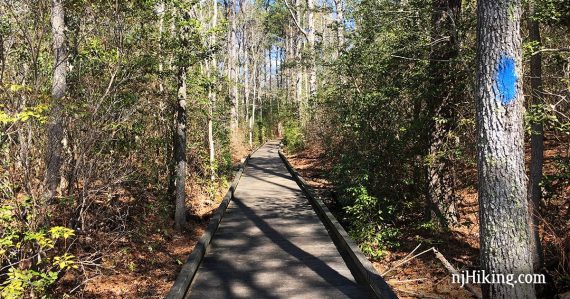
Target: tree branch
[551,50]
[296,21]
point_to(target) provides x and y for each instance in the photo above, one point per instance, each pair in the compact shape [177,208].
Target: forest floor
[136,253]
[425,276]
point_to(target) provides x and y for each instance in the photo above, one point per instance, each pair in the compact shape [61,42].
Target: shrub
[369,219]
[293,139]
[31,260]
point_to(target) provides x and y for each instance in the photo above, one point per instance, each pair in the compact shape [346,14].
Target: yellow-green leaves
[61,232]
[37,112]
[65,261]
[39,261]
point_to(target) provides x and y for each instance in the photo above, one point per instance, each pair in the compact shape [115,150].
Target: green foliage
[369,219]
[552,12]
[554,184]
[546,115]
[37,112]
[378,113]
[293,137]
[34,259]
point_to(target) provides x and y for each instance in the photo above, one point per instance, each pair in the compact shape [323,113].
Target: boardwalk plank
[271,243]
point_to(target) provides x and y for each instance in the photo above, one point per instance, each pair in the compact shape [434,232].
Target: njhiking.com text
[482,277]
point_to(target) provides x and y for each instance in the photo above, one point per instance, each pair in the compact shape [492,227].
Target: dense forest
[444,123]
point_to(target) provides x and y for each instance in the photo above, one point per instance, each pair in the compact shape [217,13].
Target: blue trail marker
[506,80]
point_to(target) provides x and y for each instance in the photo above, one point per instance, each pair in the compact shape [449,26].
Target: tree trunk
[298,65]
[339,24]
[233,62]
[312,52]
[2,58]
[503,205]
[270,76]
[212,97]
[536,141]
[252,116]
[180,132]
[246,79]
[441,118]
[54,149]
[161,10]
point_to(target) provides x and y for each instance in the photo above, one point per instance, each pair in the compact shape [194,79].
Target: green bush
[293,137]
[34,259]
[369,219]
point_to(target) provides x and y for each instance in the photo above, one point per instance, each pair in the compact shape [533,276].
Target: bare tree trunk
[233,62]
[290,56]
[298,66]
[312,50]
[339,24]
[180,132]
[161,10]
[280,69]
[270,64]
[255,94]
[212,97]
[54,149]
[274,60]
[441,181]
[536,141]
[2,58]
[503,205]
[246,78]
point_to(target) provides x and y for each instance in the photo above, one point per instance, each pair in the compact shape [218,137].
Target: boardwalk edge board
[190,267]
[359,265]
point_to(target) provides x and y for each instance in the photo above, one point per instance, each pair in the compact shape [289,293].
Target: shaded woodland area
[441,123]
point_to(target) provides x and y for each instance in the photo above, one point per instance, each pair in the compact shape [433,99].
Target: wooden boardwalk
[271,243]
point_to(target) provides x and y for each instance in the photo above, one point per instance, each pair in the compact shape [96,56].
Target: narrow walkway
[271,244]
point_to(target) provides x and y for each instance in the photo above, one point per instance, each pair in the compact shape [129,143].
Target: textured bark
[445,46]
[180,151]
[54,149]
[290,57]
[312,52]
[233,62]
[281,62]
[2,58]
[161,9]
[180,133]
[298,66]
[537,143]
[503,214]
[246,79]
[212,95]
[255,95]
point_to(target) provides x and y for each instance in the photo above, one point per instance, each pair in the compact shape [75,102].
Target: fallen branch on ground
[451,269]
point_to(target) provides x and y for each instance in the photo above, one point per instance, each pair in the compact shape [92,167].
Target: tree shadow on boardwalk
[271,244]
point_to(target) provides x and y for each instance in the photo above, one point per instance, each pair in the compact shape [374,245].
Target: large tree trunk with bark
[536,141]
[54,149]
[180,151]
[503,205]
[180,132]
[445,47]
